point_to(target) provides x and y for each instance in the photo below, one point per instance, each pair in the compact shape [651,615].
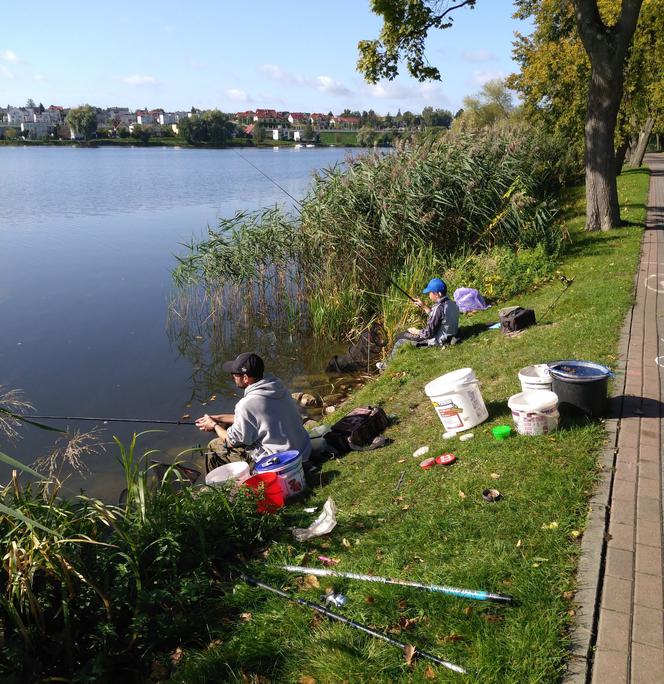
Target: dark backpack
[515,318]
[357,430]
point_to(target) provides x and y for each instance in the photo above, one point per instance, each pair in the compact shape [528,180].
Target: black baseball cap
[246,363]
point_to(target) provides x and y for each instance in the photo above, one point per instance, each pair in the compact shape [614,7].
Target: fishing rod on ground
[440,588]
[352,623]
[568,283]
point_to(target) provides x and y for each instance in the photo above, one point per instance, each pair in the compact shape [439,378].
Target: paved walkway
[620,633]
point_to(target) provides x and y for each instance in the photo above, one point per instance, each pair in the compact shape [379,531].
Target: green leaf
[12,512]
[21,466]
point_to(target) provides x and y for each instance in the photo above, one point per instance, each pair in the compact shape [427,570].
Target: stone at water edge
[330,409]
[335,398]
[308,400]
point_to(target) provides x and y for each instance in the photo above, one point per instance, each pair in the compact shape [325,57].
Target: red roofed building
[268,117]
[298,119]
[320,120]
[345,122]
[245,117]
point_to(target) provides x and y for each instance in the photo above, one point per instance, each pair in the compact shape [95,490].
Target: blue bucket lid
[276,461]
[578,371]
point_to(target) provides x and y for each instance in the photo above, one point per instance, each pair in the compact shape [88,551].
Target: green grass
[337,138]
[427,530]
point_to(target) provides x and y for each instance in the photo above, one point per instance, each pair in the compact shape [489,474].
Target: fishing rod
[412,299]
[106,420]
[451,591]
[352,623]
[568,283]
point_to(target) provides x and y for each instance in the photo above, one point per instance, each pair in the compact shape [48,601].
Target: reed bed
[432,205]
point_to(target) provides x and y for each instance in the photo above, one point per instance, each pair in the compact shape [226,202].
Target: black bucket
[581,387]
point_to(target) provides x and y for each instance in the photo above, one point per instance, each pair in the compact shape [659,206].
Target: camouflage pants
[220,453]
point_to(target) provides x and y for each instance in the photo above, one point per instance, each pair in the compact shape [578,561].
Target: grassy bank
[435,527]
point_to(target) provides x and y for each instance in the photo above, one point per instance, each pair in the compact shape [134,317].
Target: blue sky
[235,55]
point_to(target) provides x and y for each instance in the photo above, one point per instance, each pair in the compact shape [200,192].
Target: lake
[87,244]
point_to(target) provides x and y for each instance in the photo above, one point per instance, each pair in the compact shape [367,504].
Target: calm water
[87,244]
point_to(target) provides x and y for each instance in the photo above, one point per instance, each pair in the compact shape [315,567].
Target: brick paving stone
[619,563]
[649,469]
[623,512]
[649,452]
[613,629]
[648,590]
[647,626]
[611,667]
[648,487]
[647,665]
[649,533]
[617,594]
[648,560]
[626,471]
[648,508]
[624,489]
[621,536]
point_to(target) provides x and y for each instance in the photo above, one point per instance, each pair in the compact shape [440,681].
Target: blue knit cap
[435,285]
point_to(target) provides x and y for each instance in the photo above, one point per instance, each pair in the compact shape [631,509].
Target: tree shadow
[633,406]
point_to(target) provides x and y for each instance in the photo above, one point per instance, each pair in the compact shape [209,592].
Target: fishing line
[270,179]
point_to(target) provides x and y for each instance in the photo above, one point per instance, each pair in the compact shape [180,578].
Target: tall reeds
[385,216]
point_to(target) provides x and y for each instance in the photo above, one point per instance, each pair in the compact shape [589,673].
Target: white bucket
[457,400]
[534,412]
[288,466]
[535,378]
[230,473]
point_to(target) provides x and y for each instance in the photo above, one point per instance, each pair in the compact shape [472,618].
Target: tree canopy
[82,121]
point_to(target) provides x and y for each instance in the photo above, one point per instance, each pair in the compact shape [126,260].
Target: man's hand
[206,423]
[414,331]
[418,303]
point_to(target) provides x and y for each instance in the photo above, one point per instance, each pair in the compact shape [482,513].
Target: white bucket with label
[288,466]
[535,378]
[457,400]
[534,412]
[230,473]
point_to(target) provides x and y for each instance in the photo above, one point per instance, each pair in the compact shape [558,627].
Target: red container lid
[445,459]
[427,463]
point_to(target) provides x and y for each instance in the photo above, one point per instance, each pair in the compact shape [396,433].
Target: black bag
[515,318]
[357,430]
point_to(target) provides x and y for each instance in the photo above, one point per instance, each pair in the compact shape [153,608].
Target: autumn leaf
[246,617]
[409,654]
[176,656]
[462,495]
[306,679]
[495,476]
[429,672]
[346,543]
[310,582]
[370,599]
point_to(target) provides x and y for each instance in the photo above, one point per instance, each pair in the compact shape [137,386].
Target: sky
[235,56]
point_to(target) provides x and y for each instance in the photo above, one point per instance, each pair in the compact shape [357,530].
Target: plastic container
[535,378]
[457,400]
[229,473]
[288,466]
[501,432]
[534,412]
[581,386]
[273,496]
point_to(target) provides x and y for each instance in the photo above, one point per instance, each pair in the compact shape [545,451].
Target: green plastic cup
[501,432]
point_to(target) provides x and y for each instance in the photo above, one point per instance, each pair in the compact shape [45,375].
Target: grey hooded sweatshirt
[268,420]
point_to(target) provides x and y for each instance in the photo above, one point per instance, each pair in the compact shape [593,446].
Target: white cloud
[478,56]
[238,95]
[5,72]
[324,84]
[388,90]
[328,85]
[39,77]
[138,80]
[479,78]
[11,56]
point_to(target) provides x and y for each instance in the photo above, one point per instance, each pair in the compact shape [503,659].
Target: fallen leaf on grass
[402,605]
[246,617]
[409,654]
[307,582]
[306,679]
[401,460]
[453,636]
[462,495]
[468,610]
[495,476]
[550,526]
[429,672]
[369,599]
[568,595]
[575,534]
[215,643]
[346,543]
[490,617]
[316,620]
[518,544]
[405,507]
[176,656]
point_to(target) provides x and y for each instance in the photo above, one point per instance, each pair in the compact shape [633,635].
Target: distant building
[320,120]
[298,119]
[345,122]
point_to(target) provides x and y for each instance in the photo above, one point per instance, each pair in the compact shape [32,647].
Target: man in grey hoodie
[266,420]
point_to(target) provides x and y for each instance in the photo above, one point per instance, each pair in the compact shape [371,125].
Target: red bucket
[273,496]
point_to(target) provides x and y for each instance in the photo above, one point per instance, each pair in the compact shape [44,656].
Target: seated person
[266,420]
[442,321]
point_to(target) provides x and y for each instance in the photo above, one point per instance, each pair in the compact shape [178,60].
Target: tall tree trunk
[621,155]
[637,158]
[606,47]
[602,208]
